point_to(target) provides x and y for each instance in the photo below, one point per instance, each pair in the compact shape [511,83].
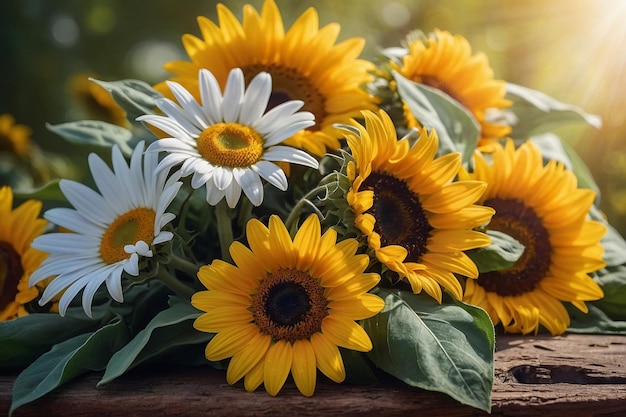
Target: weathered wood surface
[572,375]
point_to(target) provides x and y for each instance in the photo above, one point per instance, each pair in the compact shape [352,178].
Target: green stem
[297,209]
[174,284]
[224,228]
[184,265]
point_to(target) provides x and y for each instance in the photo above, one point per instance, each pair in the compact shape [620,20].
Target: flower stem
[224,228]
[184,265]
[305,200]
[174,284]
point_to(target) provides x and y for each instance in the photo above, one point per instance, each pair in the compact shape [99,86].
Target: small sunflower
[111,230]
[229,142]
[305,64]
[287,305]
[96,101]
[543,209]
[445,61]
[14,138]
[18,228]
[417,220]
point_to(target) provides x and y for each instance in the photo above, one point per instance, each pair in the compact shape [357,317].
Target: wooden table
[572,375]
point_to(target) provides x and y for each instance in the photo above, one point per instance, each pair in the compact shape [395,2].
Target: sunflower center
[290,305]
[127,229]
[11,272]
[400,218]
[290,84]
[522,223]
[231,145]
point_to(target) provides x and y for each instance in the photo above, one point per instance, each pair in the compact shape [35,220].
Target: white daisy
[229,142]
[109,231]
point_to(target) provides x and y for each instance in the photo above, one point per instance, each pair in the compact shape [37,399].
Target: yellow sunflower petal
[248,358]
[304,367]
[328,358]
[346,333]
[277,366]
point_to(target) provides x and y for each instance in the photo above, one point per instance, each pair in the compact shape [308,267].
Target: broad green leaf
[134,96]
[167,330]
[446,347]
[536,112]
[94,133]
[48,191]
[612,279]
[456,127]
[67,360]
[26,338]
[502,253]
[594,322]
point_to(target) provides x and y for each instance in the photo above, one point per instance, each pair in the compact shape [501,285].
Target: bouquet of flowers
[281,206]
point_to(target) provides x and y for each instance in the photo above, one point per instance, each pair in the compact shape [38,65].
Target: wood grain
[572,375]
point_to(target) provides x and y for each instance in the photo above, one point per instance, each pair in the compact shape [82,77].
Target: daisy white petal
[174,112]
[211,96]
[110,234]
[273,174]
[256,98]
[233,94]
[234,133]
[288,154]
[66,217]
[250,184]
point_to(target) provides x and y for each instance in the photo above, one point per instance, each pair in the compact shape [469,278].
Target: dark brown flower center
[11,272]
[521,222]
[289,305]
[290,84]
[400,218]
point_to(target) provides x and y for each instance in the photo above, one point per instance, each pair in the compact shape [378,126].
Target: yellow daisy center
[289,305]
[127,229]
[290,84]
[11,272]
[400,218]
[231,145]
[522,223]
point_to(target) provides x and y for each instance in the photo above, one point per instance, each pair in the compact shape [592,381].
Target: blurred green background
[574,51]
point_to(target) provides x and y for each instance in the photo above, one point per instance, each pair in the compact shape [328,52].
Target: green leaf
[612,279]
[502,253]
[169,329]
[26,338]
[538,113]
[94,133]
[67,360]
[456,127]
[48,191]
[594,322]
[134,96]
[446,347]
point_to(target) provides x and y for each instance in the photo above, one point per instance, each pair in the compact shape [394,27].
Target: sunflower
[305,64]
[96,101]
[287,305]
[543,209]
[111,231]
[445,62]
[229,142]
[416,219]
[18,260]
[14,138]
